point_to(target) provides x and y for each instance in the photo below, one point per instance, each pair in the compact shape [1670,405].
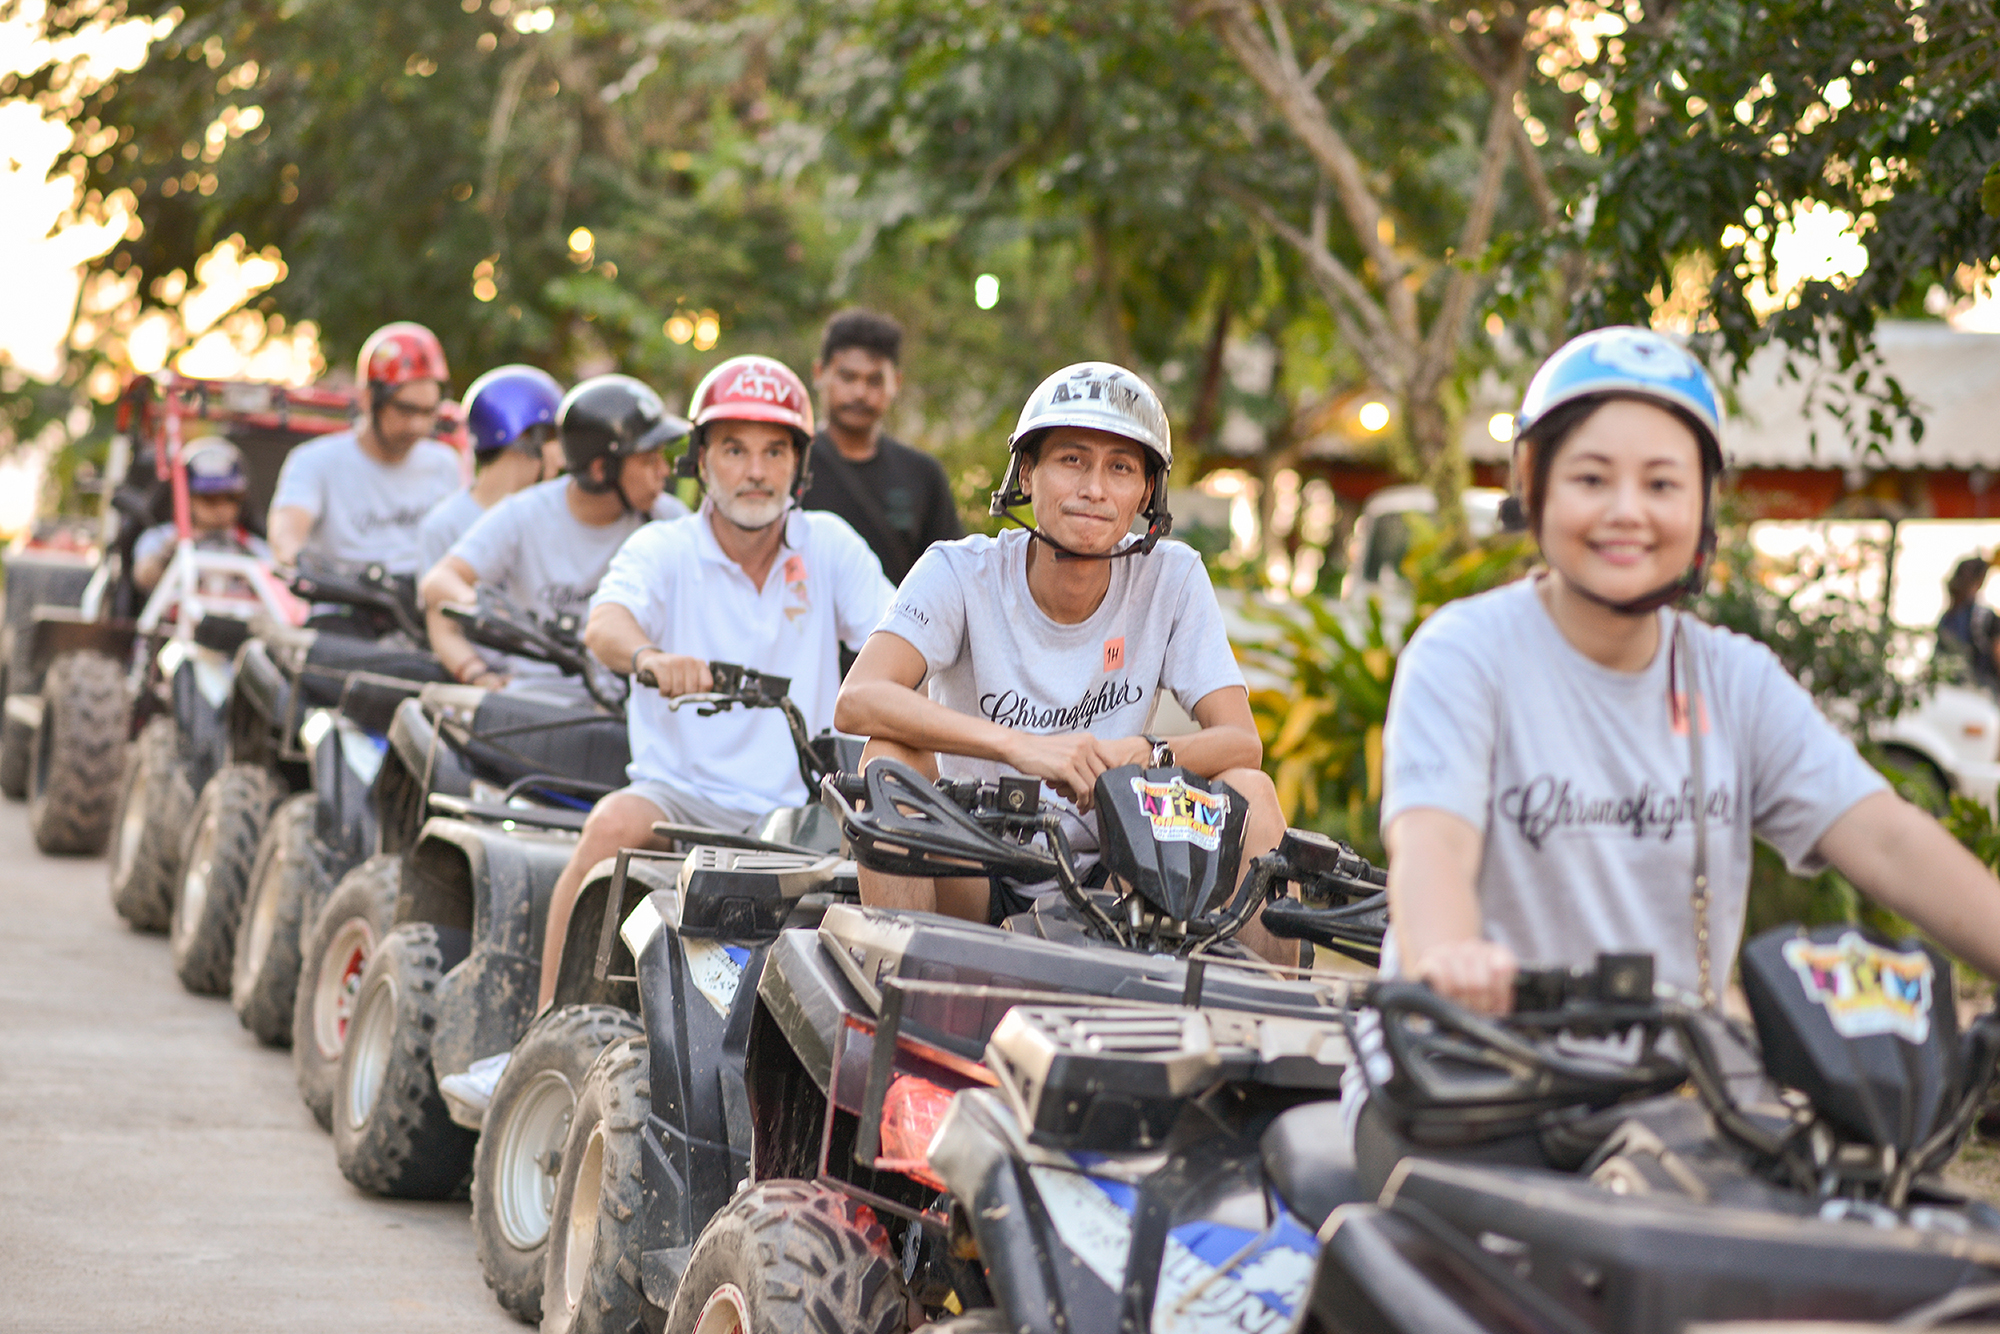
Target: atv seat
[490,812]
[330,659]
[1309,1156]
[514,737]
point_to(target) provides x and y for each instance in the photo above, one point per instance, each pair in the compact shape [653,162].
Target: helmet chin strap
[1063,553]
[1686,585]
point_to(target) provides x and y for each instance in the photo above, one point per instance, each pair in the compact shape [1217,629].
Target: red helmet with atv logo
[397,354]
[757,389]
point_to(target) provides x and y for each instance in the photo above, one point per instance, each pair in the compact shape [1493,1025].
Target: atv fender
[57,630]
[978,1161]
[496,886]
[344,767]
[698,995]
[260,700]
[198,724]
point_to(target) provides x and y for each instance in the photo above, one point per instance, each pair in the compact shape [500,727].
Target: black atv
[292,688]
[1525,1186]
[327,882]
[456,976]
[799,1047]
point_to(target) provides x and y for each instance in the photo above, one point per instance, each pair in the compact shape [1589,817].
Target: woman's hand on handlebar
[673,673]
[1478,974]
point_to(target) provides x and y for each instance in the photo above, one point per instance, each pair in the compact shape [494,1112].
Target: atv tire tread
[618,1093]
[239,799]
[287,885]
[154,776]
[808,1260]
[77,759]
[569,1041]
[409,1147]
[368,894]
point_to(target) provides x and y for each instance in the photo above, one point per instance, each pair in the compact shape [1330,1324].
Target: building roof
[1952,378]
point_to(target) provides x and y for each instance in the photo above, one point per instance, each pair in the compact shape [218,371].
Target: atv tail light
[911,1114]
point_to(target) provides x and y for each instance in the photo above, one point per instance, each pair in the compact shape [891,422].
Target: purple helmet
[511,406]
[215,468]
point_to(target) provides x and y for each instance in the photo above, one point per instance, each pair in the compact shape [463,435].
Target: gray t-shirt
[364,511]
[1578,780]
[449,520]
[162,536]
[530,551]
[992,652]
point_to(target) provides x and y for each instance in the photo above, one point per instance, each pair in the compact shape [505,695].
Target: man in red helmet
[750,579]
[357,498]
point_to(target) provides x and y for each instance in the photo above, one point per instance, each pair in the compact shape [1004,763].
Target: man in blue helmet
[544,549]
[216,483]
[511,414]
[1045,652]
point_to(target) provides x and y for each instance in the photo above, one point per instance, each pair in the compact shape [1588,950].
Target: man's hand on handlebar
[672,673]
[1478,974]
[1070,762]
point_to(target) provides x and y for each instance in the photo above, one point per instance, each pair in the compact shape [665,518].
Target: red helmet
[756,389]
[398,353]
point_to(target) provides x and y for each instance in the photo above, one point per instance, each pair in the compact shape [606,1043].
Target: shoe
[466,1096]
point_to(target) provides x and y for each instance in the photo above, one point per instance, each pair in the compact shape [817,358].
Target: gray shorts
[683,807]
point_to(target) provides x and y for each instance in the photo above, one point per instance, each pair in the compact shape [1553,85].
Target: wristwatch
[1163,754]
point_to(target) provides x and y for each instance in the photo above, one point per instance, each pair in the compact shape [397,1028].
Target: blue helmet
[504,407]
[215,468]
[1631,363]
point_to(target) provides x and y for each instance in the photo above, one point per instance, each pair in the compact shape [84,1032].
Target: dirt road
[157,1170]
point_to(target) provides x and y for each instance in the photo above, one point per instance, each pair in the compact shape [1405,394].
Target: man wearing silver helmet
[1045,650]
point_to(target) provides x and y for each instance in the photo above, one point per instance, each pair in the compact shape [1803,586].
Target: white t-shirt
[1578,782]
[364,512]
[449,520]
[992,652]
[530,551]
[691,598]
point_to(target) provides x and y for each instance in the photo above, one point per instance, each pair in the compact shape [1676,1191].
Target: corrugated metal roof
[1953,378]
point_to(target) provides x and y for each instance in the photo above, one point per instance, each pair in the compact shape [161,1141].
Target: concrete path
[157,1170]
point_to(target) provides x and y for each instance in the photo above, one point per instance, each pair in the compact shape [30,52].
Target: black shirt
[899,501]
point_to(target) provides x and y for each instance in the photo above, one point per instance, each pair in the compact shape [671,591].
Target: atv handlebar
[525,636]
[373,589]
[737,687]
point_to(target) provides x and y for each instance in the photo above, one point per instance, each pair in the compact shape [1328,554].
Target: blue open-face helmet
[1627,362]
[511,406]
[215,468]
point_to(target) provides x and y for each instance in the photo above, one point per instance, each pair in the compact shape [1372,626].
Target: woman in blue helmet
[1545,796]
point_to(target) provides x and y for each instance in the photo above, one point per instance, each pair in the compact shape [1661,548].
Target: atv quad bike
[798,1050]
[307,931]
[290,685]
[84,678]
[455,977]
[1525,1186]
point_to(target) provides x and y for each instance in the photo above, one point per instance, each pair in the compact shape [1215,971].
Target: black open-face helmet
[613,417]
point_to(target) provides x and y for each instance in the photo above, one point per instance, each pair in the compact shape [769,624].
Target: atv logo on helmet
[1865,988]
[759,381]
[1122,398]
[1181,814]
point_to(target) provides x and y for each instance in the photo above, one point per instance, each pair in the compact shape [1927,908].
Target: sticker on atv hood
[1865,988]
[1213,1277]
[716,970]
[1181,814]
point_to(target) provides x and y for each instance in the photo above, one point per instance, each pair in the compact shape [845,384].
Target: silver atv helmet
[1101,397]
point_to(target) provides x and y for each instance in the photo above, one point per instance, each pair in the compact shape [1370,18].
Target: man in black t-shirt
[896,497]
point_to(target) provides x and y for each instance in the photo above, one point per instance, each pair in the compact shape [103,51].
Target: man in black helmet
[544,549]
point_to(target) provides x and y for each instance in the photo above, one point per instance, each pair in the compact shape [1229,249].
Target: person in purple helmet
[216,483]
[511,414]
[545,548]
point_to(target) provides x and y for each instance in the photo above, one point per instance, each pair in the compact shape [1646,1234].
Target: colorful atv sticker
[1181,814]
[1865,988]
[1214,1278]
[716,970]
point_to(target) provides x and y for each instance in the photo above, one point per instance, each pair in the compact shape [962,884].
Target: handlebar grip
[647,679]
[851,787]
